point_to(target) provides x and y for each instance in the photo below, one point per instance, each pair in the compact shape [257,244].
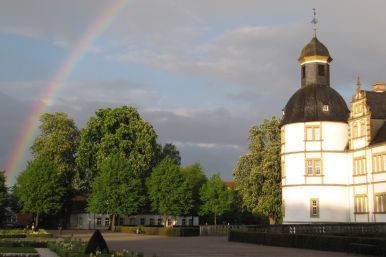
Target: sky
[202,72]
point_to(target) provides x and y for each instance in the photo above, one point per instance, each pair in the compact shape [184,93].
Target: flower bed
[76,248]
[20,233]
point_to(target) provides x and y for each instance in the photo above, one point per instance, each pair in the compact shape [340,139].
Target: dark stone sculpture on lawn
[96,243]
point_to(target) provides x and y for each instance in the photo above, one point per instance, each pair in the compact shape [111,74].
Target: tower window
[321,70]
[312,133]
[313,167]
[303,71]
[314,208]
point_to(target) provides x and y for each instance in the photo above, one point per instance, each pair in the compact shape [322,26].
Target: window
[183,222]
[321,70]
[312,133]
[107,222]
[142,221]
[326,108]
[313,167]
[359,166]
[132,221]
[151,222]
[379,163]
[357,108]
[99,221]
[314,208]
[190,222]
[380,202]
[303,71]
[360,204]
[121,221]
[169,222]
[159,222]
[282,169]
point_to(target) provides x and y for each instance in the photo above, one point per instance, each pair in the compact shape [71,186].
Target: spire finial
[314,21]
[358,84]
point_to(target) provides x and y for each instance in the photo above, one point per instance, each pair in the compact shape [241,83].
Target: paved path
[204,246]
[45,252]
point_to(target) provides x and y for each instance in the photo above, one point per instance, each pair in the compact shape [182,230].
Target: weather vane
[314,21]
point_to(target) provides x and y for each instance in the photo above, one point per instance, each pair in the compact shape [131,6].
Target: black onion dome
[313,48]
[309,104]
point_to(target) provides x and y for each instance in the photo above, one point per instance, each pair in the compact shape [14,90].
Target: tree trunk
[113,223]
[272,219]
[215,220]
[37,220]
[165,221]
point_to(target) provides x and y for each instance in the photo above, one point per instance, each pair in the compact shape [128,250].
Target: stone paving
[204,246]
[45,252]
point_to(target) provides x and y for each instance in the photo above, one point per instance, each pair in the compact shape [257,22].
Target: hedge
[162,231]
[23,243]
[316,242]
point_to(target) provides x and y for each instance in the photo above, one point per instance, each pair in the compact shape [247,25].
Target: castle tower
[314,134]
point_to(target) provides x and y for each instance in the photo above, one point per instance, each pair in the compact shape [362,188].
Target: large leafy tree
[216,198]
[58,142]
[38,188]
[196,178]
[257,175]
[112,131]
[171,150]
[3,195]
[169,192]
[116,190]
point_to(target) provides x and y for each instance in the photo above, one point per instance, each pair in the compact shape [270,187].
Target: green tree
[38,188]
[196,178]
[3,195]
[215,197]
[257,175]
[115,189]
[58,142]
[113,131]
[171,150]
[169,192]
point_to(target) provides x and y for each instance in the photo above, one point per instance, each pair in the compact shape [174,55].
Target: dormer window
[325,108]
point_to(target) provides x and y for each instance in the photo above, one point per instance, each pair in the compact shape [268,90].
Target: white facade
[331,173]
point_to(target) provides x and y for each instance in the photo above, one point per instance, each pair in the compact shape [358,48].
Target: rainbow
[19,152]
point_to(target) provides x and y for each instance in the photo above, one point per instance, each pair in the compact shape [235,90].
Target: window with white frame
[380,202]
[360,204]
[359,166]
[313,167]
[312,133]
[314,208]
[379,162]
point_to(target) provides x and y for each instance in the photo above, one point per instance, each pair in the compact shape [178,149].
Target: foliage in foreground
[76,247]
[17,250]
[257,174]
[169,192]
[38,188]
[216,198]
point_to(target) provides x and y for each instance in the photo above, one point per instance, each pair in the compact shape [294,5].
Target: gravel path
[45,252]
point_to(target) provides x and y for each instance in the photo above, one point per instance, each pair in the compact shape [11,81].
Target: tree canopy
[171,150]
[215,197]
[112,131]
[169,192]
[115,189]
[38,188]
[257,174]
[196,178]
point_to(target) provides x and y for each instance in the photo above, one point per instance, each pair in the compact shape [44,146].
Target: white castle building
[333,159]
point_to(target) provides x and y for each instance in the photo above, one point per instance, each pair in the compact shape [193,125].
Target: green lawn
[17,250]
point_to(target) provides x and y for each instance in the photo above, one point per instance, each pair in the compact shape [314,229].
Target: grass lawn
[17,250]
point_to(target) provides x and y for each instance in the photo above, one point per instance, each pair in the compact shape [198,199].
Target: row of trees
[117,163]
